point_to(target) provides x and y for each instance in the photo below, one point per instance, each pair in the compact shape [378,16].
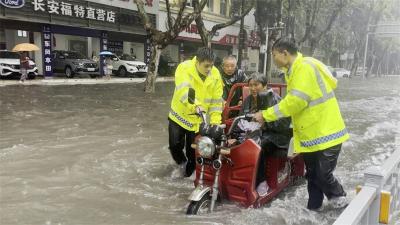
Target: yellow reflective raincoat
[311,102]
[208,96]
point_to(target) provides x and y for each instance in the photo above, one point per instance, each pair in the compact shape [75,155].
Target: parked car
[74,63]
[341,72]
[360,71]
[10,65]
[127,65]
[166,66]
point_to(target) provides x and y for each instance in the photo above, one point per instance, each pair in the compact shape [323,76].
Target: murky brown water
[98,154]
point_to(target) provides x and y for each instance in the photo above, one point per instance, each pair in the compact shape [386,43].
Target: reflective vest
[311,102]
[208,96]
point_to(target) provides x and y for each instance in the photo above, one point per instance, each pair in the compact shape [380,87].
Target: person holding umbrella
[107,68]
[24,48]
[24,65]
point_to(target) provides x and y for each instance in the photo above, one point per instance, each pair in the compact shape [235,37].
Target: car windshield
[127,57]
[9,55]
[74,55]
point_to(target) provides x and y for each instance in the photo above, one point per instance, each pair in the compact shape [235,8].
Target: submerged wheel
[122,72]
[199,207]
[68,72]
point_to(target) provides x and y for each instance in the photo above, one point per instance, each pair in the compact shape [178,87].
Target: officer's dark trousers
[180,138]
[320,166]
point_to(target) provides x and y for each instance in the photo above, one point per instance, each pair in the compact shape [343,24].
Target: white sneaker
[339,202]
[262,189]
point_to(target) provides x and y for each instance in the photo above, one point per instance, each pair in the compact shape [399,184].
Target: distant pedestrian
[24,66]
[108,67]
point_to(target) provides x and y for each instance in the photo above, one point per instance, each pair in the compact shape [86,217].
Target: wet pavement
[98,154]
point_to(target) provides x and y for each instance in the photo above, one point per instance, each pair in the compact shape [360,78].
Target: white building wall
[138,49]
[12,39]
[37,36]
[253,55]
[128,5]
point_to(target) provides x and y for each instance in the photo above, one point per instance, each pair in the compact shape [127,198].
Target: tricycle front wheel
[199,207]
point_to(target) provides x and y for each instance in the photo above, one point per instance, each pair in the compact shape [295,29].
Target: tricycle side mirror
[191,95]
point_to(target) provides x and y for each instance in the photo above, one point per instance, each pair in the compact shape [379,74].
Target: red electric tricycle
[229,173]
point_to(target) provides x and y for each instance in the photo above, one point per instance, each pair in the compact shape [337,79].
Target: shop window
[22,33]
[223,8]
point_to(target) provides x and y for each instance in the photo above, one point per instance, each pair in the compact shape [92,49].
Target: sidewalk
[75,81]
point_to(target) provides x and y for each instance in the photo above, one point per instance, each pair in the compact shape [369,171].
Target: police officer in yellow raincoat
[318,127]
[201,75]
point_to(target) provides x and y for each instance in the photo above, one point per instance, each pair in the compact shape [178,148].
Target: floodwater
[98,154]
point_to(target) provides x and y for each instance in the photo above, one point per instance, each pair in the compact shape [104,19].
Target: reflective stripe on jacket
[311,102]
[208,96]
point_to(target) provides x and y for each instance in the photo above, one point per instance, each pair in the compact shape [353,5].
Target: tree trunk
[151,77]
[355,62]
[269,59]
[313,46]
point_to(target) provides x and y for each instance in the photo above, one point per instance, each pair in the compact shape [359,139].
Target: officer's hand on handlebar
[199,110]
[258,117]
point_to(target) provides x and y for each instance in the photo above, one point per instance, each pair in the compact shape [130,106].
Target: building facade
[226,40]
[88,27]
[92,26]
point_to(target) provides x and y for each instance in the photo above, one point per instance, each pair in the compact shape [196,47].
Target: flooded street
[98,154]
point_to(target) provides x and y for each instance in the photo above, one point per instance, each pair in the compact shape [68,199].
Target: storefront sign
[229,40]
[47,57]
[192,29]
[254,40]
[68,9]
[147,51]
[13,3]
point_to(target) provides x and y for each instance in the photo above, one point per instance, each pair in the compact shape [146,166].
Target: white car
[126,65]
[10,65]
[340,72]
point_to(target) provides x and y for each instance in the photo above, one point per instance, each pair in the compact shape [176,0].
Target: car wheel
[68,72]
[92,75]
[31,76]
[162,72]
[122,72]
[345,75]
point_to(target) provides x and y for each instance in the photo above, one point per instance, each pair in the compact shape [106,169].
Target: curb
[55,81]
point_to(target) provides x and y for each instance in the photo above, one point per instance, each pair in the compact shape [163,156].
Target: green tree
[159,39]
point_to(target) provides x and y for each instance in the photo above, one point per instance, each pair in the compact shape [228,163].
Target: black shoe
[190,167]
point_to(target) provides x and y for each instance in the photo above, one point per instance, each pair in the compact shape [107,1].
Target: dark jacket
[237,77]
[277,132]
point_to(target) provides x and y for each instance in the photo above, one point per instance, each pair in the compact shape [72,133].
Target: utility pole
[241,38]
[267,53]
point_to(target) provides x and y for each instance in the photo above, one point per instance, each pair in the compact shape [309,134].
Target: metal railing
[378,200]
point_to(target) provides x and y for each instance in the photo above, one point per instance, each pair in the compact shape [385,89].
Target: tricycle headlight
[206,147]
